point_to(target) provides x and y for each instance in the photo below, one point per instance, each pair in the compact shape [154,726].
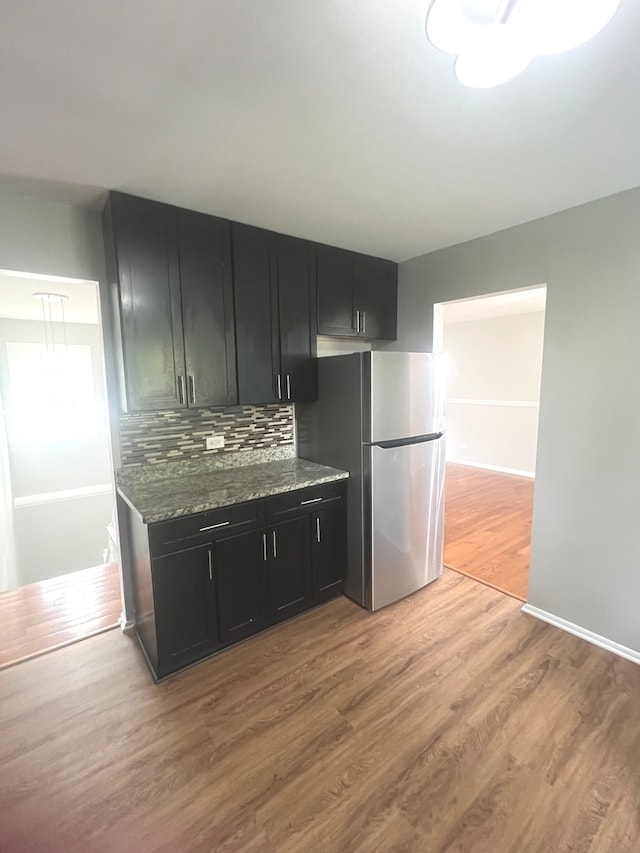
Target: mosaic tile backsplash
[164,436]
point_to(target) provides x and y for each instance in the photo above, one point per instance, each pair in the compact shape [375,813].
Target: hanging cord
[64,325]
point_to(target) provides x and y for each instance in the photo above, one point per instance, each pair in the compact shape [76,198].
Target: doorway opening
[494,349]
[59,577]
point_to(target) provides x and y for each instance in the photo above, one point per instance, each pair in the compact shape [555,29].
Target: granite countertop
[161,499]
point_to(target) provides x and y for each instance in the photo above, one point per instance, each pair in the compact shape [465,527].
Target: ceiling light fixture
[494,40]
[47,301]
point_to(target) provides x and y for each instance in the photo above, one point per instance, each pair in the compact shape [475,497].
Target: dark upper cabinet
[142,267]
[357,295]
[204,253]
[241,572]
[256,310]
[289,571]
[170,271]
[328,550]
[375,286]
[185,608]
[336,315]
[297,319]
[274,286]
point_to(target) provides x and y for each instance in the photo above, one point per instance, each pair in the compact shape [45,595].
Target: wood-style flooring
[43,616]
[447,722]
[487,533]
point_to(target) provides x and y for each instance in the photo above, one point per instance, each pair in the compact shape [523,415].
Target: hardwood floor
[488,527]
[447,722]
[43,616]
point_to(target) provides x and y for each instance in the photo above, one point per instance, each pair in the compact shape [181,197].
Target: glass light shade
[487,65]
[557,26]
[449,29]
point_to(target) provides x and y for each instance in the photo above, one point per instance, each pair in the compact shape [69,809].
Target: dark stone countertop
[173,497]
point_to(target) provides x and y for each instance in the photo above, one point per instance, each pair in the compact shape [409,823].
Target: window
[52,393]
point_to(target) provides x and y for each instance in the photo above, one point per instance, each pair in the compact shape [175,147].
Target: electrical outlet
[214,442]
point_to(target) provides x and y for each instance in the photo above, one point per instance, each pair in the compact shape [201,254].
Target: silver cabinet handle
[288,378]
[357,321]
[318,529]
[310,501]
[210,557]
[364,320]
[213,526]
[264,547]
[181,390]
[192,389]
[275,550]
[279,386]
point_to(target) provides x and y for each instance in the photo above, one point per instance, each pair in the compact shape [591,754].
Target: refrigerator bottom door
[407,519]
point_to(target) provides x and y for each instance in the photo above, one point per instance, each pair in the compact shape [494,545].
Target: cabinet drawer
[168,536]
[281,507]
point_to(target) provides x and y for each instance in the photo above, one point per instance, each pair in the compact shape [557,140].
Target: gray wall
[585,560]
[494,389]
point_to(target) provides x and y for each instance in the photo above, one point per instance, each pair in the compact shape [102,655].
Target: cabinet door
[297,300]
[376,296]
[146,264]
[289,572]
[204,244]
[185,606]
[241,572]
[336,310]
[328,551]
[257,334]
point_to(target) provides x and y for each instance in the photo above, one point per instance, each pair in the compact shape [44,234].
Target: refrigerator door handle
[404,442]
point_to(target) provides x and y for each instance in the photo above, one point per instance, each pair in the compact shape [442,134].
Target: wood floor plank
[449,721]
[39,617]
[488,526]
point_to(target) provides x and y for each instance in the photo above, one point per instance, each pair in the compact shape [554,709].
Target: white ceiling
[524,301]
[17,301]
[330,119]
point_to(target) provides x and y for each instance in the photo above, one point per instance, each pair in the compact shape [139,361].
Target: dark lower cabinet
[328,551]
[289,573]
[185,608]
[241,574]
[206,581]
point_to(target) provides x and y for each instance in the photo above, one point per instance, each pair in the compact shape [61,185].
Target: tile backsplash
[171,435]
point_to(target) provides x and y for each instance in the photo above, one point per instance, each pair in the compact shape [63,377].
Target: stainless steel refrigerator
[381,416]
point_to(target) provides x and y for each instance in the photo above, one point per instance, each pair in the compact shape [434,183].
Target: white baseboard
[583,633]
[473,464]
[124,624]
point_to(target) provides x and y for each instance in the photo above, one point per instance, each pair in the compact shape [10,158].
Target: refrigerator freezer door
[407,395]
[407,518]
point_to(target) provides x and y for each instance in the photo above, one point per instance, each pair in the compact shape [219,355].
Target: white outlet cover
[214,442]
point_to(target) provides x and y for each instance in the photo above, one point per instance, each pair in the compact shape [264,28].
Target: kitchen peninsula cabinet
[206,581]
[185,607]
[275,297]
[357,295]
[289,570]
[240,575]
[172,296]
[328,546]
